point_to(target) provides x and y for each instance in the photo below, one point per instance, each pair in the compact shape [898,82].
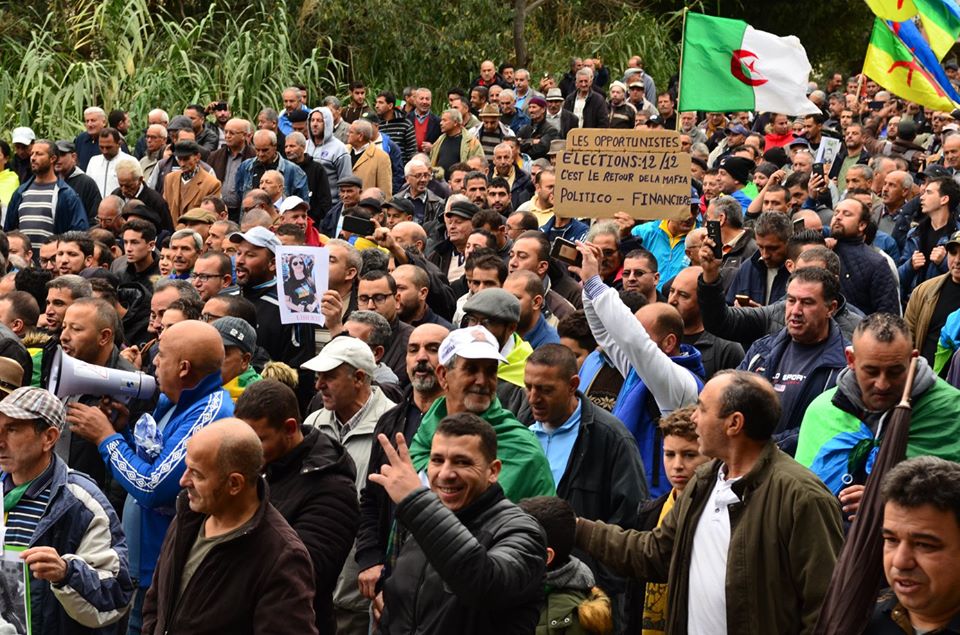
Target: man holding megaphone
[148,460]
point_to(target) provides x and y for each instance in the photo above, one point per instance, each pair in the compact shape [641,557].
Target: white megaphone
[69,376]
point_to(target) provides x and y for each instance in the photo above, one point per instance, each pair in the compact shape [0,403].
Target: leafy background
[59,56]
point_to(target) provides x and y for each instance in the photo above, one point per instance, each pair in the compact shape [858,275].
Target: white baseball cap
[473,342]
[258,237]
[343,350]
[23,135]
[291,203]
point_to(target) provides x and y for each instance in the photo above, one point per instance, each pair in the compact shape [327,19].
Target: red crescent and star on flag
[743,61]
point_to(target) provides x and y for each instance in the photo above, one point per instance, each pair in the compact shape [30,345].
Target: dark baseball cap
[236,332]
[464,209]
[65,147]
[400,204]
[185,149]
[350,181]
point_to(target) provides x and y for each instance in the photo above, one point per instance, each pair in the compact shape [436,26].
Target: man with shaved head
[268,157]
[717,353]
[149,462]
[226,530]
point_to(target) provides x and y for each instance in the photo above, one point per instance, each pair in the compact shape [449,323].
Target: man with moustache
[376,509]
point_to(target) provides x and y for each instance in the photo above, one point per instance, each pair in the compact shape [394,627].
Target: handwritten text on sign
[641,172]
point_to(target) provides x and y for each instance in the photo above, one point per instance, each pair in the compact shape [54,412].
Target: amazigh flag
[940,19]
[895,67]
[728,65]
[909,33]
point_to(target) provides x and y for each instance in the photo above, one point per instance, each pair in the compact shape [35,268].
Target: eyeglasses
[474,320]
[377,299]
[203,277]
[608,253]
[639,273]
[296,263]
[210,317]
[105,221]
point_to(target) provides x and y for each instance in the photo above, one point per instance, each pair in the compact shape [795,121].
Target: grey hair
[269,134]
[270,114]
[586,71]
[866,169]
[164,117]
[506,92]
[186,290]
[77,286]
[95,110]
[607,227]
[364,129]
[454,115]
[130,166]
[380,333]
[414,162]
[729,207]
[354,259]
[522,70]
[188,233]
[297,138]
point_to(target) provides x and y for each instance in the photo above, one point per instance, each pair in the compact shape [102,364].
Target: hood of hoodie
[327,122]
[847,385]
[573,575]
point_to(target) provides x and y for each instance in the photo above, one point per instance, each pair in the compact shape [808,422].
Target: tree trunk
[519,37]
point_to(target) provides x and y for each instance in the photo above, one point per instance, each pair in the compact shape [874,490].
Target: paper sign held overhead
[641,172]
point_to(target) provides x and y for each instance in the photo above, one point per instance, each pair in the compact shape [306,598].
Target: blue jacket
[542,334]
[910,277]
[154,481]
[764,358]
[574,230]
[751,280]
[68,211]
[396,160]
[82,526]
[670,260]
[294,179]
[640,414]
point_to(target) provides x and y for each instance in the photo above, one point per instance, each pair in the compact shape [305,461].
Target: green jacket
[469,147]
[559,613]
[525,472]
[785,536]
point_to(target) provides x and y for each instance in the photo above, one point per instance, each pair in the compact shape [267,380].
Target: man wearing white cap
[22,139]
[352,405]
[296,211]
[257,276]
[468,375]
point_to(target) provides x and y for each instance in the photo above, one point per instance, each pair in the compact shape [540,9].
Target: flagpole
[683,38]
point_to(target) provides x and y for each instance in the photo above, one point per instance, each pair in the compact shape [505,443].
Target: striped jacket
[84,529]
[154,481]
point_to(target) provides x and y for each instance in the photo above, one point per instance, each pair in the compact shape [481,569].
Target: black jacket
[155,201]
[748,324]
[395,355]
[522,190]
[477,571]
[319,186]
[313,489]
[263,579]
[86,188]
[12,347]
[135,297]
[604,479]
[543,132]
[595,113]
[866,278]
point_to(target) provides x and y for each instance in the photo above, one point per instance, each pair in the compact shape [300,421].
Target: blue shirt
[558,444]
[542,333]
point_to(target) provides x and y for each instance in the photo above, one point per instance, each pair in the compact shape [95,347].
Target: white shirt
[104,172]
[707,594]
[578,104]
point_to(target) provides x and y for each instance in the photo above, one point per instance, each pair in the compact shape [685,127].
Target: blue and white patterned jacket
[154,481]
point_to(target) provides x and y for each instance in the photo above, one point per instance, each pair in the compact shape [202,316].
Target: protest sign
[641,172]
[303,274]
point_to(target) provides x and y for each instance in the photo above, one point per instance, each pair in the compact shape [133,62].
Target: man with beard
[413,287]
[867,281]
[352,406]
[295,147]
[498,196]
[85,187]
[185,247]
[536,136]
[44,205]
[448,255]
[256,275]
[622,113]
[521,187]
[376,509]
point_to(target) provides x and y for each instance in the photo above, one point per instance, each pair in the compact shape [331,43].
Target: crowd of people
[669,433]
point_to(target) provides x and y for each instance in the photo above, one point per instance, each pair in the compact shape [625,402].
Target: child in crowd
[572,604]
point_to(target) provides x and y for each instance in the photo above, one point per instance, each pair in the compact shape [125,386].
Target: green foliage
[130,55]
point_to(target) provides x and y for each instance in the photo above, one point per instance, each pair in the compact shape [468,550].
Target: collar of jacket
[189,520]
[760,266]
[308,457]
[832,355]
[490,497]
[707,473]
[210,384]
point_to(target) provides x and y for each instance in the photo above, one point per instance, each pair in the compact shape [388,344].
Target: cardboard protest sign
[641,172]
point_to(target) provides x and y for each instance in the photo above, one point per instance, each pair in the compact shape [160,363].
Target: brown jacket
[257,582]
[373,168]
[920,308]
[182,196]
[784,539]
[218,159]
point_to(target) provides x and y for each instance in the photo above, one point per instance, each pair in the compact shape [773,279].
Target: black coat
[543,132]
[595,113]
[312,487]
[604,479]
[319,186]
[474,572]
[155,201]
[86,188]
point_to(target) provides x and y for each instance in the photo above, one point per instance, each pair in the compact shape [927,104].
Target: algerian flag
[728,65]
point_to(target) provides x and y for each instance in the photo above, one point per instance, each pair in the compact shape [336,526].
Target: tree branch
[534,5]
